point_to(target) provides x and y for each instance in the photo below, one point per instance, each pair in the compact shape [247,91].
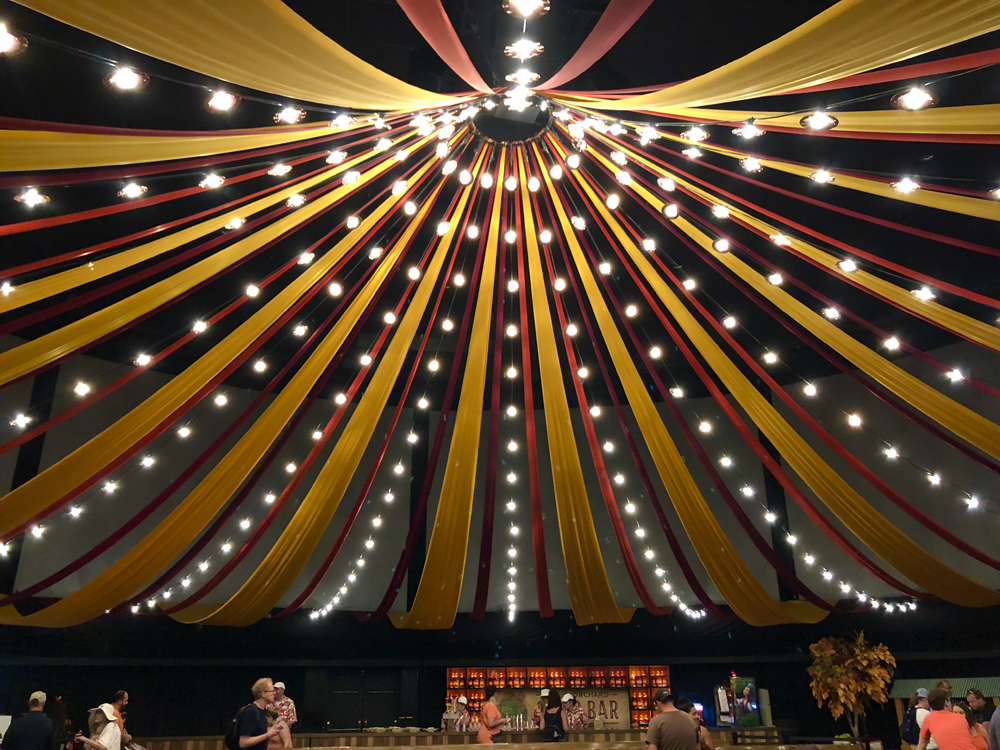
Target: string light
[447,324]
[955,375]
[578,223]
[677,392]
[648,245]
[433,365]
[511,411]
[221,400]
[604,268]
[335,289]
[848,265]
[612,201]
[726,462]
[705,427]
[556,172]
[891,453]
[573,161]
[413,273]
[399,187]
[671,211]
[729,322]
[721,246]
[513,286]
[770,358]
[11,44]
[21,421]
[750,164]
[279,170]
[389,318]
[545,236]
[572,330]
[125,78]
[458,280]
[822,177]
[854,420]
[423,403]
[109,487]
[891,343]
[692,153]
[924,293]
[780,240]
[132,190]
[624,178]
[775,279]
[819,121]
[667,184]
[290,115]
[409,208]
[905,186]
[442,228]
[147,462]
[595,411]
[695,134]
[631,311]
[300,330]
[211,181]
[336,157]
[559,285]
[655,352]
[720,212]
[831,313]
[464,177]
[81,388]
[914,100]
[375,253]
[749,130]
[810,390]
[352,222]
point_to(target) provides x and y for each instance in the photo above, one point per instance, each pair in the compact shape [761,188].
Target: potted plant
[850,676]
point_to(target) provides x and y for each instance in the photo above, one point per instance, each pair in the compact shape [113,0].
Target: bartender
[460,709]
[575,713]
[536,717]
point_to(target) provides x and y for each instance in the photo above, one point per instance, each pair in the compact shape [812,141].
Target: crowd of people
[266,722]
[936,720]
[37,730]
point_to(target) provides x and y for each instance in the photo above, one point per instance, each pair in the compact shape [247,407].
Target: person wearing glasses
[254,732]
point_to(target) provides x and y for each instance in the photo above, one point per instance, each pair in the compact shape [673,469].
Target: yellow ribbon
[260,44]
[436,602]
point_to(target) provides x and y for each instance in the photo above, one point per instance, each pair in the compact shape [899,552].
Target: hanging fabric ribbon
[430,19]
[261,44]
[854,36]
[618,17]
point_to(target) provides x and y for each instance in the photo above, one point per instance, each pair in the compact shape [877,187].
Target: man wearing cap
[536,716]
[284,705]
[575,713]
[923,711]
[31,731]
[671,729]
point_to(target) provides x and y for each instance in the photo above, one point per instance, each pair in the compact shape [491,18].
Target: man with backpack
[909,730]
[249,730]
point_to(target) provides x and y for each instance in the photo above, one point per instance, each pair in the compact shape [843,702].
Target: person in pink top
[949,730]
[491,722]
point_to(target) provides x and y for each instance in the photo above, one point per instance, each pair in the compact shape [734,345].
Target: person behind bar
[556,721]
[536,716]
[671,729]
[489,716]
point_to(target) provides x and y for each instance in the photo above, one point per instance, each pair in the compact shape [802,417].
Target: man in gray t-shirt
[671,729]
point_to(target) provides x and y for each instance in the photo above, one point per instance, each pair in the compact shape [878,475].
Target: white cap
[463,699]
[279,685]
[545,692]
[38,697]
[107,709]
[567,697]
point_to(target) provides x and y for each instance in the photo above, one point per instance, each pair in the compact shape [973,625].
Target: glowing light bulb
[604,268]
[955,375]
[211,181]
[705,427]
[822,177]
[413,273]
[510,183]
[423,403]
[222,101]
[972,502]
[573,161]
[556,172]
[891,453]
[648,245]
[336,157]
[924,293]
[147,462]
[770,517]
[559,285]
[382,144]
[399,187]
[747,490]
[810,390]
[340,399]
[854,420]
[720,212]
[511,411]
[891,343]
[831,313]
[447,324]
[631,311]
[750,164]
[299,330]
[624,178]
[352,222]
[409,208]
[433,365]
[692,153]
[278,170]
[295,201]
[583,373]
[442,228]
[677,392]
[619,479]
[109,487]
[595,411]
[375,253]
[511,331]
[934,479]
[127,79]
[818,121]
[464,177]
[726,462]
[721,246]
[289,115]
[612,201]
[640,532]
[572,330]
[486,181]
[260,365]
[776,279]
[389,318]
[545,236]
[132,190]
[305,259]
[770,358]
[511,372]
[81,388]
[655,352]
[905,186]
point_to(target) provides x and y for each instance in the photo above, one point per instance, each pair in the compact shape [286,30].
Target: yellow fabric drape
[260,44]
[36,150]
[52,346]
[590,591]
[436,602]
[89,272]
[715,550]
[172,535]
[976,119]
[852,37]
[290,553]
[873,529]
[948,319]
[959,204]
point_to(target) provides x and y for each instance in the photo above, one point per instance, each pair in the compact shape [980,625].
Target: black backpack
[909,730]
[232,739]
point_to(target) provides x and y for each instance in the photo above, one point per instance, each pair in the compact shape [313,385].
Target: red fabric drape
[617,18]
[432,22]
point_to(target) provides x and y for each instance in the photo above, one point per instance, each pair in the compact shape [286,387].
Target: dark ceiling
[59,79]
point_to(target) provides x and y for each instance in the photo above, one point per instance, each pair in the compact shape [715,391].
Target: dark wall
[188,680]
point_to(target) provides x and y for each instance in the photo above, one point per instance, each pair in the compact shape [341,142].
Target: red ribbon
[430,19]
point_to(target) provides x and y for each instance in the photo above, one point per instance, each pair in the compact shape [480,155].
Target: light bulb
[891,453]
[127,79]
[295,201]
[299,330]
[512,447]
[624,178]
[409,208]
[132,190]
[533,184]
[399,187]
[671,211]
[556,172]
[612,201]
[780,240]
[509,236]
[655,352]
[260,365]
[608,446]
[750,164]
[375,253]
[573,161]
[211,181]
[290,468]
[572,330]
[747,490]
[510,183]
[631,311]
[692,153]
[222,101]
[810,390]
[604,268]
[955,375]
[389,318]
[831,313]
[923,293]
[447,325]
[442,228]
[486,181]
[423,403]
[511,331]
[720,212]
[511,411]
[511,372]
[822,177]
[666,184]
[449,166]
[147,462]
[464,177]
[235,223]
[279,170]
[583,373]
[109,487]
[81,388]
[335,289]
[336,157]
[545,236]
[352,222]
[854,420]
[340,399]
[891,343]
[619,479]
[818,121]
[695,134]
[721,246]
[595,411]
[776,279]
[770,517]
[648,245]
[848,265]
[305,259]
[677,392]
[559,285]
[905,185]
[726,462]
[289,115]
[433,365]
[413,273]
[729,322]
[578,223]
[770,358]
[705,427]
[934,479]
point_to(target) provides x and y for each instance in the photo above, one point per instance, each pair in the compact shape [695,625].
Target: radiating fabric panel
[285,560]
[735,582]
[38,150]
[172,535]
[261,44]
[618,17]
[950,320]
[53,346]
[877,532]
[57,283]
[975,119]
[852,37]
[589,588]
[430,19]
[436,602]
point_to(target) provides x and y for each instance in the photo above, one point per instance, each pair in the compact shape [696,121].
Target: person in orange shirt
[120,703]
[975,728]
[491,722]
[950,730]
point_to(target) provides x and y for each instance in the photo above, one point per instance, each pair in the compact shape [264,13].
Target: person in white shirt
[104,731]
[923,711]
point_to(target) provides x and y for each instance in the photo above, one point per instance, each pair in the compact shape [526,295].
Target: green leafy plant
[850,676]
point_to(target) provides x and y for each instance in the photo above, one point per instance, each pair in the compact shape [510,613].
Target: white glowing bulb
[729,322]
[808,559]
[612,201]
[583,373]
[305,259]
[511,372]
[630,507]
[822,177]
[595,411]
[770,358]
[831,313]
[891,343]
[147,461]
[109,487]
[511,411]
[511,331]
[572,330]
[810,390]
[399,187]
[631,311]
[510,183]
[619,479]
[21,421]
[132,190]
[705,427]
[770,517]
[750,164]
[573,161]
[905,185]
[604,268]
[608,446]
[222,101]
[780,240]
[389,497]
[433,365]
[677,392]
[972,502]
[289,115]
[720,212]
[382,144]
[409,208]
[891,453]
[545,236]
[934,479]
[955,375]
[75,511]
[854,420]
[655,352]
[335,289]
[375,253]
[340,399]
[423,403]
[278,170]
[827,575]
[413,273]
[924,293]
[640,532]
[126,79]
[389,318]
[556,172]
[747,490]
[366,360]
[511,478]
[401,155]
[533,184]
[726,462]
[295,201]
[689,284]
[624,178]
[299,330]
[648,245]
[776,279]
[211,181]
[695,134]
[464,177]
[559,285]
[317,435]
[692,153]
[442,228]
[512,447]
[81,388]
[447,324]
[512,553]
[721,246]
[350,178]
[819,121]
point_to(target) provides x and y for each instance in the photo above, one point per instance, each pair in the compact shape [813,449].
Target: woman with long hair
[555,721]
[104,731]
[976,730]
